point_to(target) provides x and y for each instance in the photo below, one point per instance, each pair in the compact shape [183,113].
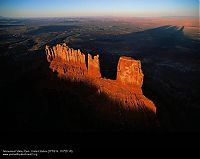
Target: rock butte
[126,89]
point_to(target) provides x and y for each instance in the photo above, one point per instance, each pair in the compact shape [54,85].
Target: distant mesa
[76,66]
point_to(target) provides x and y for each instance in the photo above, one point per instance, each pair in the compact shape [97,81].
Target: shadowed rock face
[126,89]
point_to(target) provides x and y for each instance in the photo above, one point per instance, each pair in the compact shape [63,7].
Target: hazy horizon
[103,8]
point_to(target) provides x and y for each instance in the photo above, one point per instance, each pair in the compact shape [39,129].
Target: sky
[122,8]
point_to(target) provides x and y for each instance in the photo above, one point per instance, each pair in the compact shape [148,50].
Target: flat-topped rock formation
[71,64]
[129,72]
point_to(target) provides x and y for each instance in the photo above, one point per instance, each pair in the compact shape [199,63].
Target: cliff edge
[71,64]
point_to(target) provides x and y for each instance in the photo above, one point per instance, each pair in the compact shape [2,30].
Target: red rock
[129,72]
[93,66]
[126,89]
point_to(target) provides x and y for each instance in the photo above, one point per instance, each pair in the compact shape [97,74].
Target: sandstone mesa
[71,64]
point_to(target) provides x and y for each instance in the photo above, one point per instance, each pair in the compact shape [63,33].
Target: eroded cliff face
[126,89]
[129,72]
